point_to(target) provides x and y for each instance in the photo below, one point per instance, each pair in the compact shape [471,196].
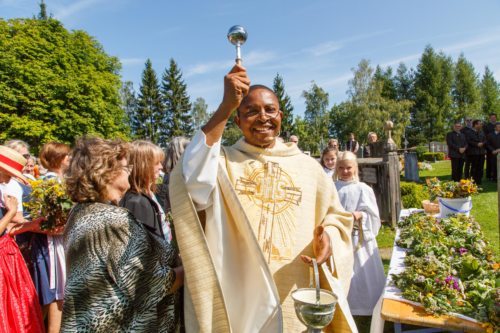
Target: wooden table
[405,313]
[401,312]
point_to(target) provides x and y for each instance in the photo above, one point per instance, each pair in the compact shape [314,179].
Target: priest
[249,218]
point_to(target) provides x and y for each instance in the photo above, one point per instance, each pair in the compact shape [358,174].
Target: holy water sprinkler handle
[237,35]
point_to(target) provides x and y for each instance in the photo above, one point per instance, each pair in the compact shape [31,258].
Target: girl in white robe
[368,279]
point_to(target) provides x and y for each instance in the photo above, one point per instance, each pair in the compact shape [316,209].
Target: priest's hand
[321,246]
[236,86]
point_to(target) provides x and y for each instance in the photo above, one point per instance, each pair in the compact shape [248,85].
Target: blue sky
[304,41]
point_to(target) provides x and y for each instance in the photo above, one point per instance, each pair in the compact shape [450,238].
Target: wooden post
[391,157]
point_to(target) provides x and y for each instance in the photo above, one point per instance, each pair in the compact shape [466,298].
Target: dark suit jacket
[489,128]
[493,141]
[455,140]
[473,139]
[144,210]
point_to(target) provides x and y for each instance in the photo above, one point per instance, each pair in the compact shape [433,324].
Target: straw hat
[12,163]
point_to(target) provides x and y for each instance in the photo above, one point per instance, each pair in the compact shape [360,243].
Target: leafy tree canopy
[56,84]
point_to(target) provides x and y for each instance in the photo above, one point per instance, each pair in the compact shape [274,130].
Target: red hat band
[13,164]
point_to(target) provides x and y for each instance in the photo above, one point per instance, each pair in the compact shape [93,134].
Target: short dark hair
[252,88]
[493,114]
[474,123]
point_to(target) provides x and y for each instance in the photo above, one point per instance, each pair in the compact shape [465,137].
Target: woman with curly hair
[119,275]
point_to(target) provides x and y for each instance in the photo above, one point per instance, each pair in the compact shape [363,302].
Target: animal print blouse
[119,275]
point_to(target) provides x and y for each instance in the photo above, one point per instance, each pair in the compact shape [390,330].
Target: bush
[438,156]
[412,195]
[421,150]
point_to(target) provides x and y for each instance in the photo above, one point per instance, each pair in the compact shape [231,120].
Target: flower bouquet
[451,189]
[453,197]
[49,201]
[449,268]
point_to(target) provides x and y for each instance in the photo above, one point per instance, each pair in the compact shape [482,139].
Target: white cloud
[332,46]
[324,48]
[479,41]
[132,61]
[251,59]
[74,8]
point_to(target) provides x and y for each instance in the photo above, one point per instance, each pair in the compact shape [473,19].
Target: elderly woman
[119,275]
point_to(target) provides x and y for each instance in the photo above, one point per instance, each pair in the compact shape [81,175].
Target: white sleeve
[371,218]
[13,188]
[199,165]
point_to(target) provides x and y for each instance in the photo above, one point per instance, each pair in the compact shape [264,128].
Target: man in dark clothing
[493,145]
[488,129]
[457,143]
[476,143]
[466,129]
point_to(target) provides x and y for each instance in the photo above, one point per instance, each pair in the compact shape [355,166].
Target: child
[368,280]
[328,159]
[19,308]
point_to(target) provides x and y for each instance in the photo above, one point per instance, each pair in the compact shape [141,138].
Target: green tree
[286,106]
[307,140]
[150,110]
[199,113]
[232,132]
[465,90]
[432,111]
[42,15]
[56,84]
[403,83]
[367,109]
[387,81]
[316,115]
[129,105]
[177,105]
[490,93]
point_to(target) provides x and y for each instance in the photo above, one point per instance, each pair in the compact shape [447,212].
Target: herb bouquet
[451,189]
[449,268]
[50,201]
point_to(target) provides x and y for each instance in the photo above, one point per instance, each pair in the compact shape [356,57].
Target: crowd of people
[217,243]
[469,145]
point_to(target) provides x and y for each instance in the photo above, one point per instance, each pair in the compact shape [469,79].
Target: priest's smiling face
[259,117]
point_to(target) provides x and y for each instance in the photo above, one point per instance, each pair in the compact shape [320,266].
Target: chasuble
[260,210]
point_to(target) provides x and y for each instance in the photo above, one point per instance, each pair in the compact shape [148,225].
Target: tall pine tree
[286,106]
[177,105]
[403,83]
[385,78]
[432,111]
[465,92]
[149,114]
[490,93]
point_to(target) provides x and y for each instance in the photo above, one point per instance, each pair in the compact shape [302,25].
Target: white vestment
[256,304]
[368,280]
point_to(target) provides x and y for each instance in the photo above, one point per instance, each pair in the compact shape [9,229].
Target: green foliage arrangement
[56,84]
[431,157]
[449,267]
[412,194]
